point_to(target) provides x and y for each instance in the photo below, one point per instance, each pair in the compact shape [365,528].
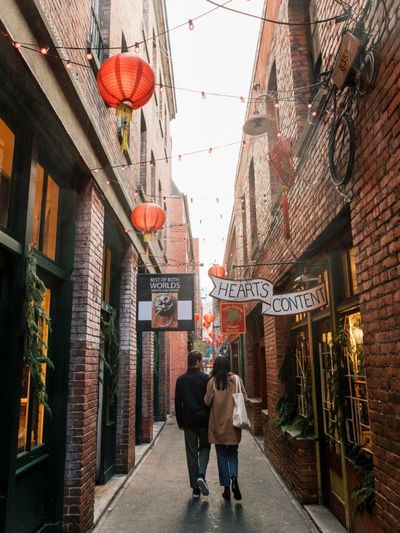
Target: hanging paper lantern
[209,317]
[206,325]
[217,270]
[125,82]
[196,317]
[148,217]
[212,334]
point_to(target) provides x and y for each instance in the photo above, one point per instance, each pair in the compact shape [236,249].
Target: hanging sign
[262,290]
[165,302]
[232,318]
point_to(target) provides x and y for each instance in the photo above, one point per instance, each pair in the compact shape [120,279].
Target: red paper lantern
[148,217]
[206,325]
[217,270]
[212,334]
[209,317]
[196,317]
[125,82]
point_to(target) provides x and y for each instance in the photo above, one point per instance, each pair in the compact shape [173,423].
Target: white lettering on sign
[165,283]
[261,289]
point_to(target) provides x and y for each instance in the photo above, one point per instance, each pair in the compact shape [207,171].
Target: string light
[179,157]
[210,150]
[44,50]
[191,25]
[89,54]
[68,64]
[17,44]
[203,95]
[309,105]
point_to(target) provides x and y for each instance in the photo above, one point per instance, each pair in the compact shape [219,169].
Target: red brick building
[317,201]
[67,189]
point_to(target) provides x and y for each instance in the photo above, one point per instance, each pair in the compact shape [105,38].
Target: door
[139,382]
[107,403]
[334,487]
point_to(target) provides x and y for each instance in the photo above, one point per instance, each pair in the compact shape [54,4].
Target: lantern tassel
[285,212]
[125,112]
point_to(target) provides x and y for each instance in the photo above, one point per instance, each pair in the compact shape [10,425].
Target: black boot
[235,489]
[227,493]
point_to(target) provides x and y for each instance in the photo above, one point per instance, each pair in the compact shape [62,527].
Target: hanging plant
[111,354]
[36,321]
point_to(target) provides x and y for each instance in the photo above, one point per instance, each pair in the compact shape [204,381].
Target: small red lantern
[212,334]
[209,317]
[206,325]
[196,317]
[217,270]
[148,217]
[126,82]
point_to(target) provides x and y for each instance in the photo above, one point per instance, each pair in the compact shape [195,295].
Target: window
[154,53]
[31,414]
[153,176]
[145,15]
[314,41]
[45,213]
[100,14]
[347,269]
[303,375]
[143,151]
[244,230]
[357,416]
[7,143]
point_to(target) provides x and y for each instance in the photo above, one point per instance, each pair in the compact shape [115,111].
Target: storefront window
[31,414]
[45,213]
[7,142]
[357,417]
[349,274]
[303,375]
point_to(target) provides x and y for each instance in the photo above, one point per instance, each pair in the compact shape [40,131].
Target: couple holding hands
[204,410]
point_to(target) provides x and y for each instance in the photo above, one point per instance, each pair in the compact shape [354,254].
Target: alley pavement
[157,496]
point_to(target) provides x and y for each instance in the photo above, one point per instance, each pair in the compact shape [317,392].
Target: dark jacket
[190,409]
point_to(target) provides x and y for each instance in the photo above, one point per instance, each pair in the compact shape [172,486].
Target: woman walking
[221,432]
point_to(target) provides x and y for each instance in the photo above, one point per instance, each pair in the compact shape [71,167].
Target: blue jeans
[228,463]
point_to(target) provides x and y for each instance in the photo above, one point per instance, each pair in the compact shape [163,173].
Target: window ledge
[254,400]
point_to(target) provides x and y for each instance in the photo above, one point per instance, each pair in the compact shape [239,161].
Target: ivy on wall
[36,321]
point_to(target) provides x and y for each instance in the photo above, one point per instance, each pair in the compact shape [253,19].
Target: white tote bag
[240,419]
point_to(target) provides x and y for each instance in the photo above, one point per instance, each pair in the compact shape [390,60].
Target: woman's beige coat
[220,428]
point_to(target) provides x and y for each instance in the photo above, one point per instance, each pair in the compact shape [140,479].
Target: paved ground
[157,497]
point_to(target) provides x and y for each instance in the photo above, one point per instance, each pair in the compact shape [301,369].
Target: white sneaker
[202,483]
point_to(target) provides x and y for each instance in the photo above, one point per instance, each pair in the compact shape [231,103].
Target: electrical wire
[279,22]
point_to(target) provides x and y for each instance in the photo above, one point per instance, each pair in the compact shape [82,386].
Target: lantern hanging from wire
[206,325]
[217,270]
[148,218]
[196,317]
[125,82]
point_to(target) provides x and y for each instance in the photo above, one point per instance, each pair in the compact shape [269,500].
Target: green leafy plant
[111,354]
[290,419]
[36,321]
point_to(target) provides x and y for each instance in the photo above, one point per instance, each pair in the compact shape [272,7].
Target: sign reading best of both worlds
[165,301]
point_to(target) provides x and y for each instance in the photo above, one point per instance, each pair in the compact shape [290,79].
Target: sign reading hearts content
[262,290]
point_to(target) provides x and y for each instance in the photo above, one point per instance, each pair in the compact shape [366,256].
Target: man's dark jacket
[190,409]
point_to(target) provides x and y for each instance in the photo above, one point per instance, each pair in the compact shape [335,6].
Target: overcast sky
[216,56]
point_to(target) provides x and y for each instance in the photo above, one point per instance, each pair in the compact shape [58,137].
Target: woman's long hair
[220,372]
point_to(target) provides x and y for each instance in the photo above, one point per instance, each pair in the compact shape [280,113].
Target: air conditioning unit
[347,60]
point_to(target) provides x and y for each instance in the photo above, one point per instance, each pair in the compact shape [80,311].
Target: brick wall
[80,462]
[147,386]
[126,412]
[314,206]
[294,459]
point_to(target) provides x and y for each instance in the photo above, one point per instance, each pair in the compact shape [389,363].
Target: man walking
[192,416]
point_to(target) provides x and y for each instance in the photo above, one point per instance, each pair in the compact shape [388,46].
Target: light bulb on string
[203,95]
[44,50]
[17,44]
[137,47]
[242,99]
[179,157]
[191,25]
[210,150]
[89,54]
[68,63]
[309,105]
